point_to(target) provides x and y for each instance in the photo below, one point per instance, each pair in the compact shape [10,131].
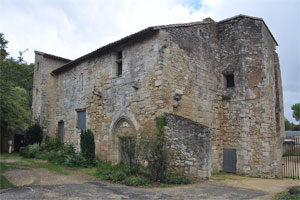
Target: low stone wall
[190,144]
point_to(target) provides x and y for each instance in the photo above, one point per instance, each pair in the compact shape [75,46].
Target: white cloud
[71,28]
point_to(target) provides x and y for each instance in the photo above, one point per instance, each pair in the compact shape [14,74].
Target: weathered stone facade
[184,70]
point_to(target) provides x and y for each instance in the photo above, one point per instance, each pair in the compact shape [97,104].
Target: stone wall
[44,92]
[248,111]
[190,145]
[179,70]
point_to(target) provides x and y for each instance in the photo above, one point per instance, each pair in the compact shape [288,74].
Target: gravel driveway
[40,183]
[99,190]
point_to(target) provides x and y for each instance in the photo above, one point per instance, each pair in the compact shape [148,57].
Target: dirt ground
[269,186]
[227,185]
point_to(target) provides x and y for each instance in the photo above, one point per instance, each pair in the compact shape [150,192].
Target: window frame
[78,124]
[119,63]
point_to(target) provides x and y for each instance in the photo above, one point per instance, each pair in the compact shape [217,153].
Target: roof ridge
[52,56]
[240,15]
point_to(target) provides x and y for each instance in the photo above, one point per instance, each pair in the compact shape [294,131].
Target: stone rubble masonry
[179,70]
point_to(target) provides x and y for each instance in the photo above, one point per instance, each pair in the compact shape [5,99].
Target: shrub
[24,151]
[155,151]
[33,134]
[69,149]
[29,151]
[87,145]
[172,178]
[33,150]
[115,173]
[129,153]
[295,190]
[136,181]
[41,156]
[75,160]
[56,157]
[52,144]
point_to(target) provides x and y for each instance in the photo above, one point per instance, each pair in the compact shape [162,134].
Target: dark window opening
[37,66]
[229,80]
[81,119]
[119,63]
[61,130]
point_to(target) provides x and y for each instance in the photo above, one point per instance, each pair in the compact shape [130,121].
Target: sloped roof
[53,56]
[141,34]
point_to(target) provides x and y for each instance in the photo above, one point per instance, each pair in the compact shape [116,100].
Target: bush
[33,134]
[52,144]
[56,157]
[75,160]
[29,151]
[155,151]
[87,145]
[115,173]
[69,149]
[24,151]
[136,181]
[129,153]
[172,178]
[295,190]
[34,150]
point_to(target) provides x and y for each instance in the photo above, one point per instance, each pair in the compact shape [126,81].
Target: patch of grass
[222,176]
[120,173]
[4,183]
[136,181]
[5,156]
[175,179]
[292,194]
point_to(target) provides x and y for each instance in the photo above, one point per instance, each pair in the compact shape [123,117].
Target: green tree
[296,111]
[34,134]
[289,126]
[16,80]
[3,43]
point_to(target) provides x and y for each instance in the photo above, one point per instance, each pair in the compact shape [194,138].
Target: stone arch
[122,127]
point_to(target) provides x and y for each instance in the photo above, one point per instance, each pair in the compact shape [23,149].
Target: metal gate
[229,160]
[291,158]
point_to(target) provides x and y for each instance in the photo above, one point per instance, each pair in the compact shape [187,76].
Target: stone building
[217,84]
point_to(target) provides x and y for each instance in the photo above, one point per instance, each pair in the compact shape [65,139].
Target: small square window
[229,80]
[119,63]
[81,119]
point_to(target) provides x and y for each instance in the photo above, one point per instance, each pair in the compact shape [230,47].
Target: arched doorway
[122,127]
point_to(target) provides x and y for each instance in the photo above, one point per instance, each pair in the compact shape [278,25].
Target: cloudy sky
[72,28]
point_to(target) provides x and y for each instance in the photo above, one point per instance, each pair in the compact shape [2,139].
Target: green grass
[5,156]
[27,162]
[292,194]
[4,183]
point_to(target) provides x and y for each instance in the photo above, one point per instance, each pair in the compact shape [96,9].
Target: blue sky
[71,28]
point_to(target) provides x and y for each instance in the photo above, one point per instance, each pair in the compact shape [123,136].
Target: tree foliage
[290,126]
[296,111]
[33,134]
[16,80]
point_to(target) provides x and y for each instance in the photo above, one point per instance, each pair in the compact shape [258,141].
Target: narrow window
[81,119]
[119,63]
[229,80]
[81,79]
[61,130]
[37,66]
